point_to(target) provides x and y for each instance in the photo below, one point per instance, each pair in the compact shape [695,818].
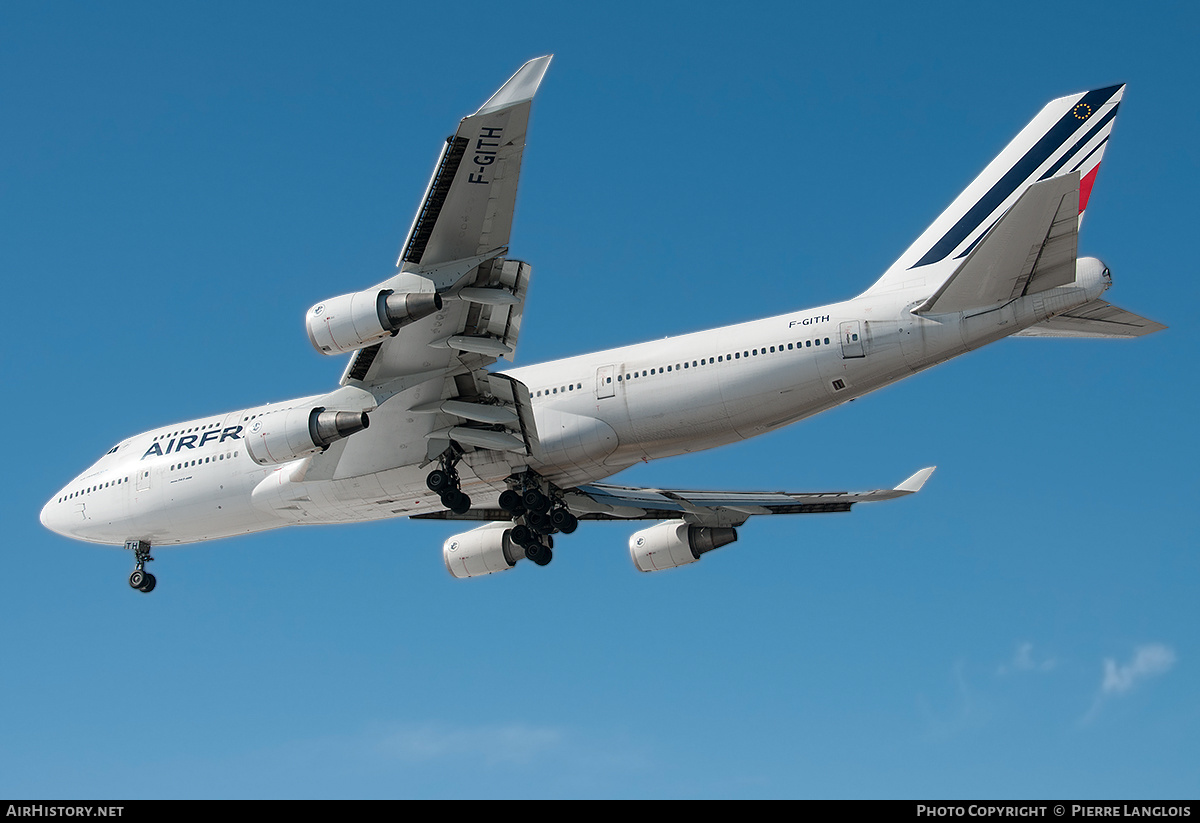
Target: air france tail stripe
[1085,187]
[1097,148]
[1021,171]
[1062,161]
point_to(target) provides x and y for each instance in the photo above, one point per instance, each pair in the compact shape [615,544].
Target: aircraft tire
[535,501]
[564,521]
[539,554]
[456,501]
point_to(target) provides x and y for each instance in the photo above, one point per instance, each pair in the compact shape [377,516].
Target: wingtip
[913,484]
[520,87]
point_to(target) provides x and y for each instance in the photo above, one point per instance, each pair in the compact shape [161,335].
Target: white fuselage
[595,414]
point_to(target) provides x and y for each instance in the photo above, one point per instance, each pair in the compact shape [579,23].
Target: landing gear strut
[141,579]
[539,512]
[445,483]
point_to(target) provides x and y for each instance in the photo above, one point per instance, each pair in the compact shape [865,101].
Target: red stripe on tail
[1085,187]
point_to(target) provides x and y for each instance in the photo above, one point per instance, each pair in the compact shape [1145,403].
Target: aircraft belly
[572,445]
[182,508]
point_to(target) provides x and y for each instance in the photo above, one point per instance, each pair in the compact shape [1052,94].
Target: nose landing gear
[141,579]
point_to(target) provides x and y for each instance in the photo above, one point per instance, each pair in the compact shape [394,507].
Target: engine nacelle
[485,550]
[282,436]
[675,543]
[352,321]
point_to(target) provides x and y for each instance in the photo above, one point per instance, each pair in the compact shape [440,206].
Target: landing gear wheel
[539,522]
[522,536]
[539,554]
[438,481]
[510,501]
[563,520]
[535,501]
[141,579]
[456,501]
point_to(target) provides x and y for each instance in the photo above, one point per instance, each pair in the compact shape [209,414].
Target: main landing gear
[141,579]
[444,482]
[538,512]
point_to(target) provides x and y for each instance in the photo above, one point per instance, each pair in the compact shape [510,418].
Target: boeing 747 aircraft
[421,426]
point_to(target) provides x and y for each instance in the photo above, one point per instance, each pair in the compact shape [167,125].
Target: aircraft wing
[468,206]
[429,380]
[455,244]
[601,501]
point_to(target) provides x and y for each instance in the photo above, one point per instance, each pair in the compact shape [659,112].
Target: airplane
[420,427]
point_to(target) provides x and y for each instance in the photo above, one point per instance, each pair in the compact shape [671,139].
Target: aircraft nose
[51,517]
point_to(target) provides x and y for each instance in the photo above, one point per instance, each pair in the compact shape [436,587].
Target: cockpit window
[113,449]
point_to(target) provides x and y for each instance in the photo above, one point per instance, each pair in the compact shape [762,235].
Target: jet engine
[352,321]
[282,436]
[675,543]
[485,550]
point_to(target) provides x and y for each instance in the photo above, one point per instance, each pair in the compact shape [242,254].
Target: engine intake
[283,436]
[485,550]
[352,321]
[675,543]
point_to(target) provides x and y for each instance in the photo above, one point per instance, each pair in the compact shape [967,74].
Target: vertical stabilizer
[1067,137]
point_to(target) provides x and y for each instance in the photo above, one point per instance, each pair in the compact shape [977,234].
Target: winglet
[913,484]
[520,87]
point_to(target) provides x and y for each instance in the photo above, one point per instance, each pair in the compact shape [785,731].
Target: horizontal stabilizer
[1030,249]
[1094,319]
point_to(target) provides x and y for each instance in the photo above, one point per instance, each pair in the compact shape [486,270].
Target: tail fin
[1067,137]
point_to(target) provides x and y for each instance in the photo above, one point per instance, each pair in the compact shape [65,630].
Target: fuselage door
[605,381]
[852,342]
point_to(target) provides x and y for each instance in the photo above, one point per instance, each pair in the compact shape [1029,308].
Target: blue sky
[180,182]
